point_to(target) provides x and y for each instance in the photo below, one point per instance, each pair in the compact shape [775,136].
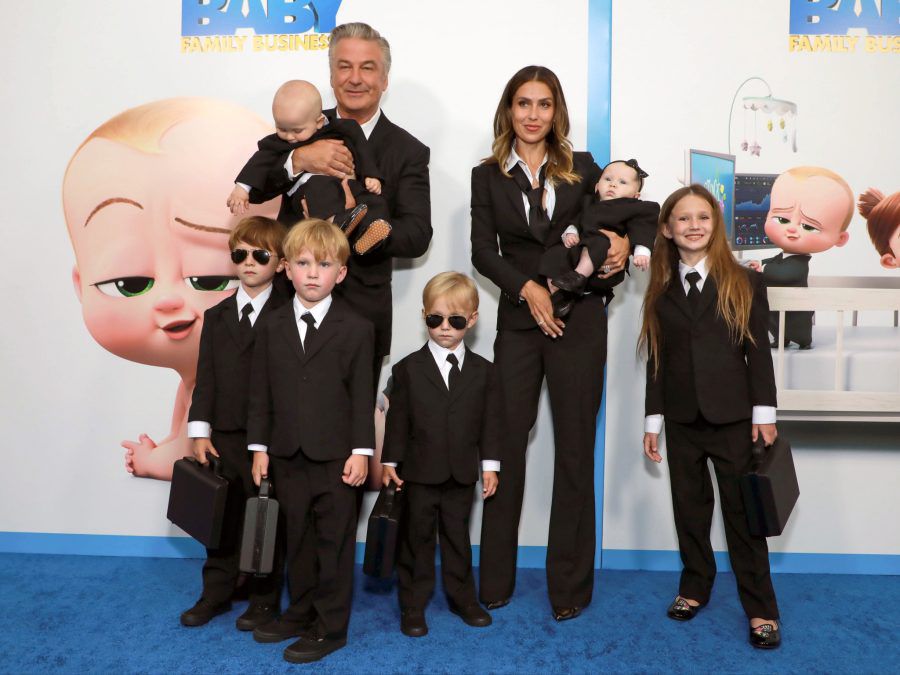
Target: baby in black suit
[445,416]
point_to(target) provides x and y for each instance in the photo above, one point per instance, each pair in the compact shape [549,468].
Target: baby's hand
[642,262]
[373,185]
[137,453]
[238,201]
[488,483]
[754,265]
[570,239]
[390,474]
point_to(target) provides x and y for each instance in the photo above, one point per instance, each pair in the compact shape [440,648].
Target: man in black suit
[217,421]
[311,403]
[446,414]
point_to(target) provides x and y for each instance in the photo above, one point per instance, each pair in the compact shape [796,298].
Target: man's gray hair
[361,31]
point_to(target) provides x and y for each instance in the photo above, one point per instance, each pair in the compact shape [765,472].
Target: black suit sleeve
[205,387]
[642,227]
[411,211]
[757,352]
[259,407]
[653,398]
[396,432]
[362,397]
[493,432]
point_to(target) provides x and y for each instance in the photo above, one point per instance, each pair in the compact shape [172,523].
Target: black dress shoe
[680,610]
[412,622]
[562,302]
[566,613]
[372,236]
[571,281]
[203,611]
[310,648]
[256,615]
[352,219]
[472,615]
[497,604]
[766,636]
[280,629]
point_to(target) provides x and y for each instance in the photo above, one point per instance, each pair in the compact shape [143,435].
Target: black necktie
[693,295]
[310,328]
[454,371]
[245,325]
[538,220]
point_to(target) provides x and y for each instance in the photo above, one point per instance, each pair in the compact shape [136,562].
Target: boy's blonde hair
[319,237]
[459,290]
[261,232]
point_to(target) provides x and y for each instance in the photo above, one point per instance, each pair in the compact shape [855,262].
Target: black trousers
[573,366]
[729,447]
[797,327]
[321,509]
[221,571]
[430,509]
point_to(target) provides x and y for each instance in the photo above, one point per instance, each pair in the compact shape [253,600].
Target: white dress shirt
[202,428]
[762,414]
[318,311]
[444,366]
[549,190]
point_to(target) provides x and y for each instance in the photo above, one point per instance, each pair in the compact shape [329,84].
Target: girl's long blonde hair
[560,163]
[735,294]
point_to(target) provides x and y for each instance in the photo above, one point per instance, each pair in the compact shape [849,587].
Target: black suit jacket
[223,366]
[701,369]
[625,216]
[436,434]
[792,271]
[319,401]
[504,249]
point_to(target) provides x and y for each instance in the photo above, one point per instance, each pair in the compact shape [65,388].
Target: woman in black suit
[523,197]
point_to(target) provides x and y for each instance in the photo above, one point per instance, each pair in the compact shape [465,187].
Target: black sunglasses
[261,256]
[456,321]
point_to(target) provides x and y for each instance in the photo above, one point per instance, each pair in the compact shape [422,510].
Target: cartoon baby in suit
[143,207]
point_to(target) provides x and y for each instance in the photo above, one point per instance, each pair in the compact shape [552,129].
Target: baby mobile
[769,119]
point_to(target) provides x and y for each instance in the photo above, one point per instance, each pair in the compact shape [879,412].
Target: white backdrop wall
[66,404]
[675,69]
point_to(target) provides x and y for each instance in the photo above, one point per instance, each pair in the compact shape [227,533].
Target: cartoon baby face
[807,215]
[150,232]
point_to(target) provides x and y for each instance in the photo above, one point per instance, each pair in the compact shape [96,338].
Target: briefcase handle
[265,487]
[389,491]
[214,463]
[759,447]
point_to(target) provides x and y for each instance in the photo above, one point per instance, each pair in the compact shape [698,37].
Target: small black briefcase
[197,499]
[383,532]
[260,528]
[770,489]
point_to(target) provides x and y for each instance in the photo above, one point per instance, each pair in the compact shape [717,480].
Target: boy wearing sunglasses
[445,416]
[217,421]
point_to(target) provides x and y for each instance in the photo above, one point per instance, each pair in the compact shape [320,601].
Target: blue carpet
[67,614]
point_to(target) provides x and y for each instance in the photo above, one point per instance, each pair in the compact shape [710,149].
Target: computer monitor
[715,172]
[751,205]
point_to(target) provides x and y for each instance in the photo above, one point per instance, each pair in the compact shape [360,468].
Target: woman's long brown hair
[559,149]
[732,282]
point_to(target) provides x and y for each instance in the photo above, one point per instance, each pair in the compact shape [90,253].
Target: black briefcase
[770,489]
[197,499]
[383,532]
[260,528]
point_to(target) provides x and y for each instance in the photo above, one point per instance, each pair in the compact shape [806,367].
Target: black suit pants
[221,569]
[573,366]
[729,447]
[321,509]
[432,509]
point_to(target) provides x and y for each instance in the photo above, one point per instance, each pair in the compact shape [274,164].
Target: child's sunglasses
[456,321]
[261,256]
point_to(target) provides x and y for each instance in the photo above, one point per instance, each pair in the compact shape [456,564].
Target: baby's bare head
[297,111]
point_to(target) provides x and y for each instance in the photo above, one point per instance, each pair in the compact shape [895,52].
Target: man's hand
[356,468]
[260,467]
[328,156]
[619,248]
[489,483]
[238,201]
[651,447]
[200,447]
[768,431]
[570,239]
[390,474]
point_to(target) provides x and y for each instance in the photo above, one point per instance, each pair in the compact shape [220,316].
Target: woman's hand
[619,248]
[538,299]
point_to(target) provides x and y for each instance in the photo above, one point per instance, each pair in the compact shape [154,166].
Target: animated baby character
[143,206]
[809,211]
[882,216]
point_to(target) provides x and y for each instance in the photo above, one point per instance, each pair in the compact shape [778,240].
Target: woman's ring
[606,269]
[541,322]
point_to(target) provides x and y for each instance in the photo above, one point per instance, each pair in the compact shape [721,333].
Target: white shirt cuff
[764,414]
[490,465]
[368,452]
[641,250]
[393,465]
[653,424]
[199,430]
[256,447]
[571,229]
[289,166]
[243,186]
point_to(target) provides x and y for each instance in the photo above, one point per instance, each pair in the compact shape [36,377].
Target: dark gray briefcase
[383,532]
[770,489]
[260,528]
[197,499]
